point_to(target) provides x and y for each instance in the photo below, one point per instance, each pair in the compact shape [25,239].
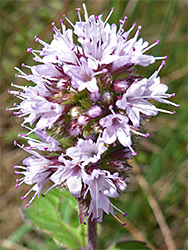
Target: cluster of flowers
[85,106]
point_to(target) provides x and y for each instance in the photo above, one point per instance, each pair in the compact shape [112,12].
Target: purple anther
[16,116]
[15,95]
[43,195]
[21,113]
[86,214]
[104,70]
[15,143]
[173,112]
[125,18]
[84,223]
[16,186]
[134,25]
[17,180]
[14,113]
[29,50]
[133,48]
[24,135]
[23,146]
[173,94]
[165,57]
[53,29]
[19,135]
[61,21]
[110,107]
[134,153]
[37,93]
[52,107]
[178,105]
[27,205]
[124,224]
[36,39]
[125,214]
[15,104]
[53,23]
[16,172]
[22,197]
[56,57]
[45,149]
[7,109]
[120,21]
[146,135]
[96,18]
[158,42]
[15,166]
[23,65]
[138,32]
[139,27]
[163,63]
[8,91]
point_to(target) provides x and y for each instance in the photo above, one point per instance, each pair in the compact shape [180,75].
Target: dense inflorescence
[86,104]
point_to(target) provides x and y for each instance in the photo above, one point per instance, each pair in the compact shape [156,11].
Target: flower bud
[107,98]
[119,85]
[83,119]
[95,111]
[94,96]
[121,154]
[75,112]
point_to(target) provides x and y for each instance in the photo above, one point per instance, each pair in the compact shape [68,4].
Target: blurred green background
[156,196]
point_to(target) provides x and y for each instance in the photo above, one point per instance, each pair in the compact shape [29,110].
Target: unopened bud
[119,85]
[95,111]
[107,98]
[94,96]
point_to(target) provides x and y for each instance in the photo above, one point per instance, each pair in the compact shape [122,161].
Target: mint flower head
[85,106]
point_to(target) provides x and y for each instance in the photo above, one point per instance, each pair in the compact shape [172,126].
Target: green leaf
[130,245]
[56,214]
[85,103]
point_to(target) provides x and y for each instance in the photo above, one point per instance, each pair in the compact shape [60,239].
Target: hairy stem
[92,234]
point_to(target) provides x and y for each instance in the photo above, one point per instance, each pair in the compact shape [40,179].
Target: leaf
[130,245]
[56,215]
[85,103]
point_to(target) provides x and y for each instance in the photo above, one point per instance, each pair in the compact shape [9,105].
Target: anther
[163,63]
[146,135]
[29,50]
[124,224]
[134,153]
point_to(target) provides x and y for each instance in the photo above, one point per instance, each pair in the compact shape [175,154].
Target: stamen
[79,16]
[109,15]
[68,21]
[139,133]
[116,218]
[151,46]
[85,13]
